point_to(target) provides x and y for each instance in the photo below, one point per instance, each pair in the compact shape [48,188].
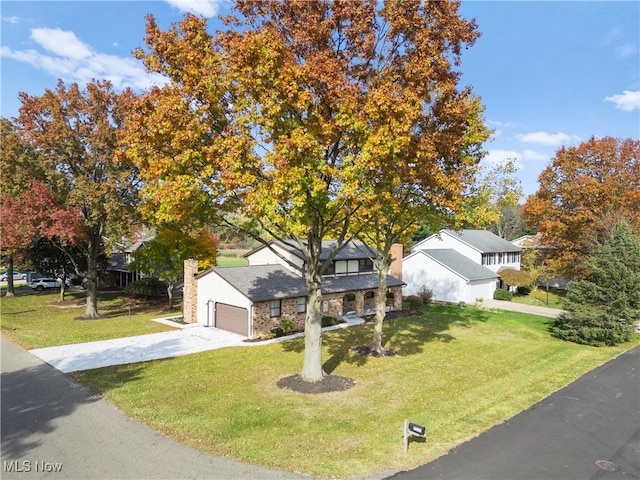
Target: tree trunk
[381,310]
[91,308]
[63,289]
[170,295]
[312,368]
[10,288]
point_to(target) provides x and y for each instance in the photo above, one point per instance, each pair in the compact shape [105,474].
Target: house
[539,252]
[117,272]
[251,300]
[459,266]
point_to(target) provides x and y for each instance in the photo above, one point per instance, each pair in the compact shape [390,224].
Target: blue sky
[549,73]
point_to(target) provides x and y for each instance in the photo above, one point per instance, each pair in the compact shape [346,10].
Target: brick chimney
[190,291]
[396,261]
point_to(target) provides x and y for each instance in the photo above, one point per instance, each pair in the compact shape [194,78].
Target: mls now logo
[27,466]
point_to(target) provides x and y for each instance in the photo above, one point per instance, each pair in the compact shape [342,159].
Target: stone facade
[334,305]
[190,292]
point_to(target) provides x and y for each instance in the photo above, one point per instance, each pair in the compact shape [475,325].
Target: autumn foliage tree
[163,257]
[580,191]
[283,118]
[73,132]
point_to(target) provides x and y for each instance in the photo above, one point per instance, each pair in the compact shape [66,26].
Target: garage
[232,319]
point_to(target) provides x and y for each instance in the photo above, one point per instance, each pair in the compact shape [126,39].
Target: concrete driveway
[142,348]
[521,307]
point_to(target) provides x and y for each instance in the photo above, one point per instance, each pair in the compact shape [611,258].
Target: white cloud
[206,8]
[10,19]
[627,100]
[496,156]
[60,42]
[70,59]
[548,139]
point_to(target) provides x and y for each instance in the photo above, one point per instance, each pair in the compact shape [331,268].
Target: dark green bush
[146,287]
[500,294]
[329,321]
[524,290]
[414,302]
[592,327]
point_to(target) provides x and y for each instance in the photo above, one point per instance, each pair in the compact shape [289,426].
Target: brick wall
[190,292]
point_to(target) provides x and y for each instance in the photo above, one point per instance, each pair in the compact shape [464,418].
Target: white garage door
[232,319]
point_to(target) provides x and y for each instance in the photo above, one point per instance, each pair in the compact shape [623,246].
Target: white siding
[446,240]
[418,270]
[213,288]
[264,256]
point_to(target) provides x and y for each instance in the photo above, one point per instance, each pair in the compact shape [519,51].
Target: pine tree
[603,308]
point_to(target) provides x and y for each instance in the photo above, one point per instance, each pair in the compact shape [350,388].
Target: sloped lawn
[36,320]
[458,371]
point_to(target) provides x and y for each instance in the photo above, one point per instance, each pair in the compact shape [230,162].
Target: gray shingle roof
[351,251]
[463,266]
[268,282]
[484,241]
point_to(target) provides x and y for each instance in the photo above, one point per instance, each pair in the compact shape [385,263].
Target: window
[366,265]
[302,304]
[369,295]
[274,308]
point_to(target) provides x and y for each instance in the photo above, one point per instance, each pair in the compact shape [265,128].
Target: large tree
[74,133]
[582,188]
[274,117]
[418,174]
[602,308]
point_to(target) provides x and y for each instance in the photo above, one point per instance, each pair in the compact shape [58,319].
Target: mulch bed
[330,383]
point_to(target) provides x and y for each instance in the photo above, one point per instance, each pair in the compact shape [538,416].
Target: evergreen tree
[602,308]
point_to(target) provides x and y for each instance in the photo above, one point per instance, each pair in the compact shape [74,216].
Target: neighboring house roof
[484,241]
[269,282]
[117,262]
[458,263]
[354,249]
[531,241]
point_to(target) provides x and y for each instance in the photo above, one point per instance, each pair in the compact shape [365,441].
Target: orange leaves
[580,187]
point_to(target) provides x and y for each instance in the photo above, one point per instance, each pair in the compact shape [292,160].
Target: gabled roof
[261,283]
[483,241]
[457,263]
[531,241]
[353,250]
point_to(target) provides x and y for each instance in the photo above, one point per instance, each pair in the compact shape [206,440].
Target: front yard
[458,371]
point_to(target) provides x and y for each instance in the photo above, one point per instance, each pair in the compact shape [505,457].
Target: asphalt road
[588,430]
[54,428]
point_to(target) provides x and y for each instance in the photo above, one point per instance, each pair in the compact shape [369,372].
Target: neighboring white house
[459,266]
[251,300]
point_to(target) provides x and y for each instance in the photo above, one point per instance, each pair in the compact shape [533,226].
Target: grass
[230,261]
[458,371]
[539,297]
[35,320]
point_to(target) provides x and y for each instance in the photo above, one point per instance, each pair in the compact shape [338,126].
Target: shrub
[592,327]
[426,295]
[500,294]
[524,290]
[286,325]
[329,321]
[146,287]
[414,302]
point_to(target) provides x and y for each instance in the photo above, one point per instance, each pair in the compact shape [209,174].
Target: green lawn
[458,371]
[540,298]
[35,320]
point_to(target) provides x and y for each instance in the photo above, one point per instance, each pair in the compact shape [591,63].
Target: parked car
[16,276]
[42,283]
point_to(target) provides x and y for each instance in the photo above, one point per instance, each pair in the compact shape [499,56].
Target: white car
[41,283]
[16,276]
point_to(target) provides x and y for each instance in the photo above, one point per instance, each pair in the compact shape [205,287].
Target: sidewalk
[183,341]
[521,307]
